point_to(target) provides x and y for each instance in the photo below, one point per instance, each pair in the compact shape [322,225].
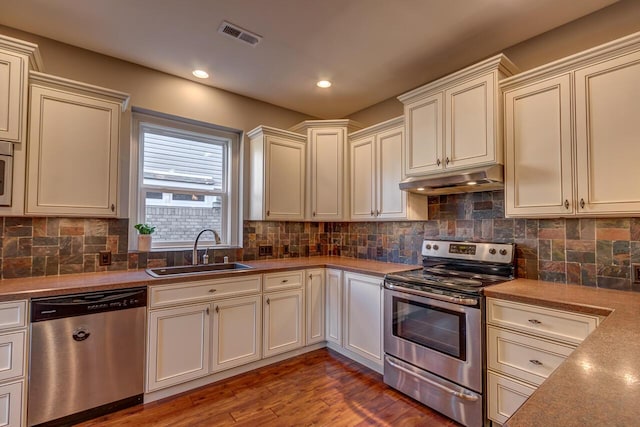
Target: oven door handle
[446,298]
[461,395]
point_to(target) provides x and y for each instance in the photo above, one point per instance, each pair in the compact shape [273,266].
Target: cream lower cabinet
[334,306]
[236,332]
[13,362]
[376,171]
[579,111]
[74,148]
[284,314]
[315,306]
[362,321]
[525,344]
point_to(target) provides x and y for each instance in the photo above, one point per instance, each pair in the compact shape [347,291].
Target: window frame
[232,198]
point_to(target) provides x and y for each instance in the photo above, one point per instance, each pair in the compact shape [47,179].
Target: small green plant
[144,228]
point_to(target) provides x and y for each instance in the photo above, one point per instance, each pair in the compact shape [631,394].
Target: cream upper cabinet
[454,122]
[74,148]
[581,109]
[17,57]
[277,185]
[538,166]
[327,185]
[376,171]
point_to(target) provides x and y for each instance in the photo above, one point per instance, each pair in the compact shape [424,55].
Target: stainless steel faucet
[195,245]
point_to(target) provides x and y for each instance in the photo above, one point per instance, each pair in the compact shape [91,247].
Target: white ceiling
[370,49]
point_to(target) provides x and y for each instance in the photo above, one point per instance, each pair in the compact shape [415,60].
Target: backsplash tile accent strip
[584,251]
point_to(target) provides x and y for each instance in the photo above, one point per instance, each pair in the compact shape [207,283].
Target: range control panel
[486,252]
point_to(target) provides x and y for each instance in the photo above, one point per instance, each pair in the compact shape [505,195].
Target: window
[187,179]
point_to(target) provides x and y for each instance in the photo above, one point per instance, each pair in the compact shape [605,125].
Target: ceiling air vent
[238,33]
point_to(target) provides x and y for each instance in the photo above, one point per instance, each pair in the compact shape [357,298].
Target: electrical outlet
[285,249]
[379,251]
[104,258]
[265,250]
[636,272]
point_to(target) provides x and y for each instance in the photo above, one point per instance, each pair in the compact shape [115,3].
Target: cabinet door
[425,141]
[11,410]
[538,148]
[73,154]
[363,178]
[284,186]
[327,174]
[315,307]
[504,396]
[607,129]
[178,349]
[470,137]
[12,355]
[283,322]
[13,86]
[334,306]
[236,332]
[363,316]
[391,201]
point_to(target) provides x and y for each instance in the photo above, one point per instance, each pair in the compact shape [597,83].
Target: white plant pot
[144,242]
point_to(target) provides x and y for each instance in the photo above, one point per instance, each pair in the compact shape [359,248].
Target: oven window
[432,327]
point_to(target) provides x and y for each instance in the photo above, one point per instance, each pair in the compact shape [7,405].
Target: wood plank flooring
[321,388]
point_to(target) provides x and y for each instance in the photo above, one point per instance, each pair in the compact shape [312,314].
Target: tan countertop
[599,384]
[11,289]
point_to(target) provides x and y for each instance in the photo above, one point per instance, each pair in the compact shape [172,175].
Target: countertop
[12,289]
[599,383]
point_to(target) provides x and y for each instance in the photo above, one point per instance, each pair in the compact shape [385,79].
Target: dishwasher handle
[58,307]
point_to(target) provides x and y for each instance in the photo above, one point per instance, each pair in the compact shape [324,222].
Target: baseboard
[379,368]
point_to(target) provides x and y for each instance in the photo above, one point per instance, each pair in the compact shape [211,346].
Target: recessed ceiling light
[201,74]
[324,84]
[472,183]
[420,189]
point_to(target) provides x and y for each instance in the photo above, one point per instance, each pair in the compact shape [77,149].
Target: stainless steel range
[434,325]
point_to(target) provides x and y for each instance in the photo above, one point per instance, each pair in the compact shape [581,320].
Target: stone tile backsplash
[585,251]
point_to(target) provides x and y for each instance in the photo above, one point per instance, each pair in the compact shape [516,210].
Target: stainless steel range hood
[484,178]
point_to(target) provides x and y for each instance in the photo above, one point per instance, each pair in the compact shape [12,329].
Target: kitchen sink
[197,269]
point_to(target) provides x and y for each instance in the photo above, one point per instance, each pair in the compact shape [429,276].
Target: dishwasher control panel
[87,303]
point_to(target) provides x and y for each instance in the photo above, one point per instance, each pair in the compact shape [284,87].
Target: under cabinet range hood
[483,178]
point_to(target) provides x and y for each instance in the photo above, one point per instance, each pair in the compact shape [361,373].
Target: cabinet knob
[438,162]
[582,203]
[536,362]
[207,311]
[447,160]
[268,213]
[113,207]
[566,204]
[377,212]
[314,213]
[372,212]
[492,251]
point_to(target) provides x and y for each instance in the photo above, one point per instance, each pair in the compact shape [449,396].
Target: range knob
[492,251]
[435,247]
[503,251]
[428,246]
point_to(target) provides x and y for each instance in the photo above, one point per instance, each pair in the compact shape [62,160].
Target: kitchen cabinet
[363,316]
[334,306]
[455,122]
[376,171]
[284,316]
[327,189]
[315,306]
[525,344]
[277,184]
[198,328]
[581,109]
[74,148]
[13,362]
[236,332]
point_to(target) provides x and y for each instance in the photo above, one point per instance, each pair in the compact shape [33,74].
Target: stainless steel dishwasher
[87,355]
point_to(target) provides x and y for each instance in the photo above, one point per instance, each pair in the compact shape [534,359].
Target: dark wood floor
[321,388]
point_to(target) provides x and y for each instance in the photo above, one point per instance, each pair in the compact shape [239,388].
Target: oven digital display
[456,248]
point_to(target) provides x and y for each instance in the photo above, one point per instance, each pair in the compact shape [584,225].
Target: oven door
[440,337]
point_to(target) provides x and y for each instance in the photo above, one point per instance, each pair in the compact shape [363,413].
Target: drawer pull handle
[582,203]
[536,362]
[207,311]
[535,321]
[268,301]
[211,291]
[284,281]
[217,309]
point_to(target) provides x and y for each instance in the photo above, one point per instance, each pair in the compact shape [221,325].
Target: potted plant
[144,236]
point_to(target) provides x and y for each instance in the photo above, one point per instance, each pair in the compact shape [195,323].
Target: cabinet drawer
[13,315]
[284,280]
[12,355]
[545,322]
[524,357]
[505,396]
[204,290]
[11,404]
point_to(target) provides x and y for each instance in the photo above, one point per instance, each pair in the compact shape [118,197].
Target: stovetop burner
[460,266]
